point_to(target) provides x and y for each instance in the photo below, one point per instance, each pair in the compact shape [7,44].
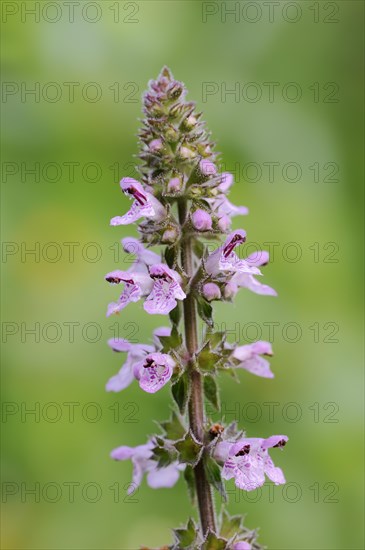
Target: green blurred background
[318,386]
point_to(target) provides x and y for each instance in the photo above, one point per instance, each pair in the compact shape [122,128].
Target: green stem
[196,403]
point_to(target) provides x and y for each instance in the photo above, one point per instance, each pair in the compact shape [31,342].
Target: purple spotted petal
[144,205]
[131,293]
[136,285]
[248,462]
[166,290]
[156,372]
[224,259]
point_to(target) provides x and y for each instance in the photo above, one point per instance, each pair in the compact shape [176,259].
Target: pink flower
[154,372]
[144,205]
[141,457]
[135,355]
[250,360]
[144,256]
[201,220]
[224,259]
[246,280]
[166,289]
[248,462]
[136,285]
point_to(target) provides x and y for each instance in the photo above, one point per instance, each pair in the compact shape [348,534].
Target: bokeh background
[78,148]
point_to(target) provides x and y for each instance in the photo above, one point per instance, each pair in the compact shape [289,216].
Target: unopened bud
[224,223]
[156,145]
[171,135]
[170,235]
[230,291]
[207,167]
[175,90]
[174,185]
[201,220]
[189,123]
[211,291]
[186,153]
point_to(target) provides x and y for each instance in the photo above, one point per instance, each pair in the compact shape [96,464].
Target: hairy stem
[196,404]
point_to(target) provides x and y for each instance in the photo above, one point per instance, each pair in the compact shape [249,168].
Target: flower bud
[186,153]
[156,145]
[201,220]
[175,90]
[155,109]
[171,135]
[224,223]
[174,185]
[170,235]
[207,167]
[230,291]
[211,291]
[175,110]
[189,123]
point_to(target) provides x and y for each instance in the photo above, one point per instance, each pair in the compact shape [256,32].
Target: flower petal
[156,372]
[248,281]
[163,477]
[121,380]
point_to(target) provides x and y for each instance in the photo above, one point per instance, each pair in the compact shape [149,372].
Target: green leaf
[207,359]
[189,449]
[215,339]
[173,428]
[173,341]
[205,310]
[211,391]
[171,256]
[180,391]
[187,536]
[190,481]
[212,542]
[176,314]
[198,248]
[230,525]
[213,473]
[162,454]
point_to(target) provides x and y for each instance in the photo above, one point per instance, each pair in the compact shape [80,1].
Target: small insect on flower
[216,430]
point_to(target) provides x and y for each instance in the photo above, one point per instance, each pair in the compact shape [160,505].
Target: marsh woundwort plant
[181,206]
